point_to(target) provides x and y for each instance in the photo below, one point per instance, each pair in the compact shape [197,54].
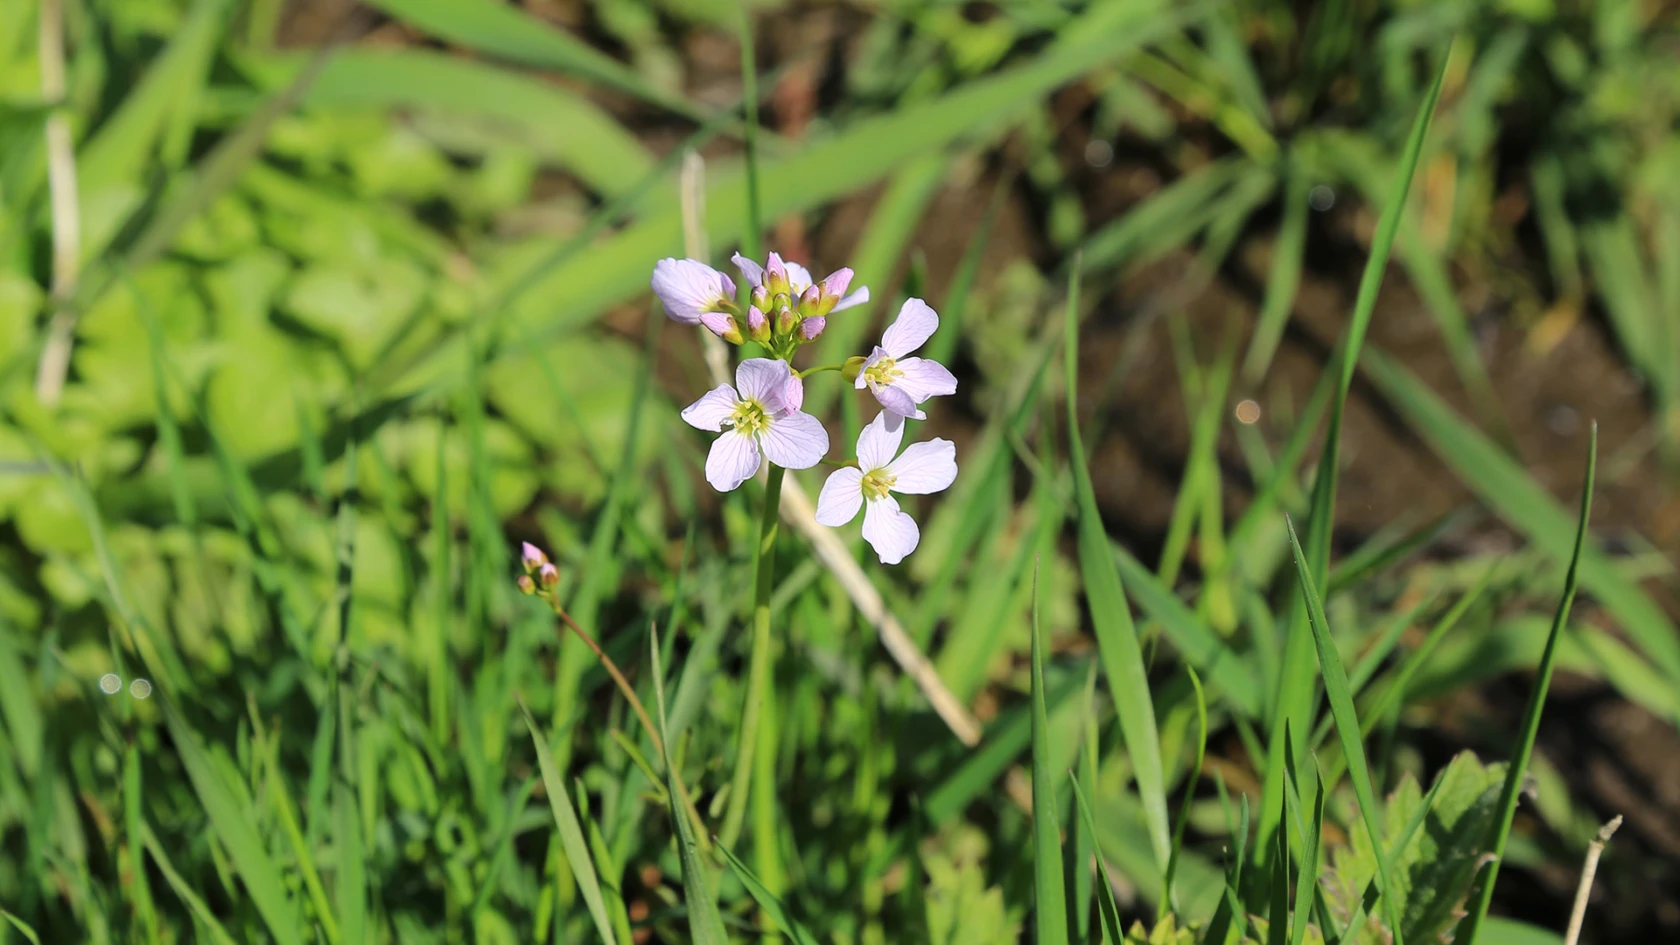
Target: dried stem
[1588,870]
[66,217]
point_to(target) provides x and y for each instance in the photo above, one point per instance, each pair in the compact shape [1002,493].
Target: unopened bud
[810,301]
[549,575]
[758,327]
[786,320]
[852,368]
[531,556]
[776,277]
[812,327]
[527,585]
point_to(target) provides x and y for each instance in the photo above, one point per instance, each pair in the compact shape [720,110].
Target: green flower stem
[758,685]
[819,369]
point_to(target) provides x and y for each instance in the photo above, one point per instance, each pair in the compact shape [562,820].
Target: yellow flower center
[877,483]
[749,417]
[882,372]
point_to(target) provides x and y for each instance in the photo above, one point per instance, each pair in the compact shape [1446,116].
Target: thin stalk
[636,706]
[758,670]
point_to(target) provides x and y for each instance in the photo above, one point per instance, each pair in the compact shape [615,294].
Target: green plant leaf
[769,903]
[1512,787]
[1050,903]
[1347,727]
[1110,911]
[705,926]
[1111,615]
[234,828]
[571,832]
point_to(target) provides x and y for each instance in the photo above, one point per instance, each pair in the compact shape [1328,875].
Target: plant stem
[758,670]
[819,369]
[641,713]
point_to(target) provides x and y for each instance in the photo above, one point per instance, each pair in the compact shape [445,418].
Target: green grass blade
[1189,783]
[1536,704]
[1347,726]
[1277,919]
[1113,934]
[1084,838]
[1111,615]
[770,904]
[705,926]
[351,879]
[507,32]
[1228,673]
[1525,505]
[22,927]
[1295,686]
[571,832]
[1307,881]
[263,882]
[1050,897]
[1285,277]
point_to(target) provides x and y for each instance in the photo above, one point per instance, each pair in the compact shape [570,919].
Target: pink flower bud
[526,585]
[758,327]
[549,575]
[531,556]
[812,327]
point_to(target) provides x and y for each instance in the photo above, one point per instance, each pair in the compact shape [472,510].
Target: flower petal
[750,271]
[924,468]
[891,532]
[794,440]
[764,380]
[856,298]
[688,288]
[915,324]
[795,397]
[799,278]
[733,460]
[836,282]
[841,496]
[924,378]
[712,409]
[877,442]
[896,400]
[718,323]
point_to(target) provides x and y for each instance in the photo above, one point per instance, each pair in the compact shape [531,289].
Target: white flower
[690,289]
[757,422]
[924,468]
[899,382]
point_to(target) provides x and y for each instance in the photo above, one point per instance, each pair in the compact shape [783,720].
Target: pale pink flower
[922,469]
[901,383]
[690,289]
[757,424]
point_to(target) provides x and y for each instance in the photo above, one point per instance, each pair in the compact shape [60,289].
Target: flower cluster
[760,417]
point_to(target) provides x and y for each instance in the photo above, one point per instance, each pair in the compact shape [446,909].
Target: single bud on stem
[549,575]
[526,585]
[852,368]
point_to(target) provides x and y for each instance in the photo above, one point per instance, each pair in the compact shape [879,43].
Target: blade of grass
[771,905]
[704,925]
[1111,615]
[1112,934]
[1295,696]
[195,905]
[1536,704]
[351,879]
[571,832]
[1084,838]
[1308,879]
[1525,505]
[1189,783]
[1347,726]
[1050,903]
[237,834]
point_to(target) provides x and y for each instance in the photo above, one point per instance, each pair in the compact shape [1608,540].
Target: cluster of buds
[541,576]
[785,307]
